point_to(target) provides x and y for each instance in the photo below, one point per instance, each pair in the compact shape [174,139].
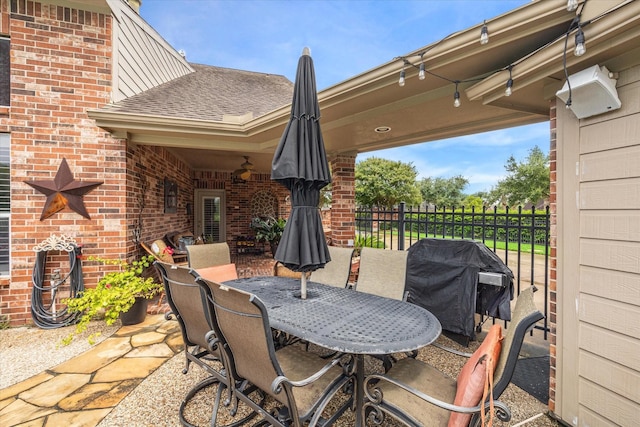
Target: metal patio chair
[301,382]
[187,302]
[418,394]
[335,272]
[382,273]
[208,255]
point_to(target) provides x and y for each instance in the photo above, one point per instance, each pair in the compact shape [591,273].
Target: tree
[385,183]
[471,202]
[443,191]
[526,182]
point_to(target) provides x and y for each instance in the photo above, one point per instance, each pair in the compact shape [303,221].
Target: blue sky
[346,38]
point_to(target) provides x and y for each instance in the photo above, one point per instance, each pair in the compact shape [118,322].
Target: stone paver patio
[83,390]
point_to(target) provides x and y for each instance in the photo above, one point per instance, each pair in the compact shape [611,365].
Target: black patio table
[343,320]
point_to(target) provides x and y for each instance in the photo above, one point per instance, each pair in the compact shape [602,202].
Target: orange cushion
[219,273]
[472,379]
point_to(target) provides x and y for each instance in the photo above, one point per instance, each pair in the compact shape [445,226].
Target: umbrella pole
[303,285]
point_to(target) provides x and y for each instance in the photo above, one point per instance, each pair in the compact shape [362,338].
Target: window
[209,215]
[5,203]
[5,72]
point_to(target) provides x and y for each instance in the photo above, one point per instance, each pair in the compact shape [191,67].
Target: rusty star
[63,191]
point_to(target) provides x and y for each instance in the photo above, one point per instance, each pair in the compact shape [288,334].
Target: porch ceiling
[420,111]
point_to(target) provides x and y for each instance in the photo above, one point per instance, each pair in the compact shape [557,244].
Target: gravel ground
[156,400]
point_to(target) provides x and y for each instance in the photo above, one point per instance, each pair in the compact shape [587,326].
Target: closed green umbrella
[300,164]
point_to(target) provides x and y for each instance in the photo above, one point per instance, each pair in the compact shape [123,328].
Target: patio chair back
[243,325]
[524,317]
[184,296]
[208,255]
[335,272]
[382,272]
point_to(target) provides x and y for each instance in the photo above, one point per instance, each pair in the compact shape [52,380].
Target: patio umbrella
[300,164]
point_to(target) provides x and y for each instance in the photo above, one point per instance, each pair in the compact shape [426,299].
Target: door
[210,215]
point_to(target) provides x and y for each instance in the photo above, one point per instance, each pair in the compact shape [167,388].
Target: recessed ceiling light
[382,129]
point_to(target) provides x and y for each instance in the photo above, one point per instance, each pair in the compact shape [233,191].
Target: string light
[580,49]
[508,91]
[484,34]
[580,46]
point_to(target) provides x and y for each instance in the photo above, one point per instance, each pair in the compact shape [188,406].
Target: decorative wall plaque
[64,191]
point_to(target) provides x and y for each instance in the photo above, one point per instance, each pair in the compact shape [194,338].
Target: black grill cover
[442,277]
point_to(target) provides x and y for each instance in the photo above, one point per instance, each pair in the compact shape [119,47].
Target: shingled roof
[210,93]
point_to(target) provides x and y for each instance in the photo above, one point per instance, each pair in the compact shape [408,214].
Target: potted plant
[268,229]
[115,294]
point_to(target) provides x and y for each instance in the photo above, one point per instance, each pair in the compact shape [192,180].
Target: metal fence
[519,237]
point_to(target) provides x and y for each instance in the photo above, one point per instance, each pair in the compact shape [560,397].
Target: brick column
[343,205]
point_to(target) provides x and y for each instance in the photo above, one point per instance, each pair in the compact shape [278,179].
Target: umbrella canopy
[300,164]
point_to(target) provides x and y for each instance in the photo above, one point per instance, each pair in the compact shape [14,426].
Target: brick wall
[343,195]
[60,67]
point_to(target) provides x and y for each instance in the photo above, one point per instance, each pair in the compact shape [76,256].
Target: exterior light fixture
[572,5]
[401,80]
[421,73]
[508,91]
[456,96]
[580,46]
[484,34]
[382,129]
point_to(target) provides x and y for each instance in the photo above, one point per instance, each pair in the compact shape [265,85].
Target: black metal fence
[520,237]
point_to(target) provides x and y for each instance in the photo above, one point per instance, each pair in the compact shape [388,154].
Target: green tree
[443,191]
[470,202]
[526,182]
[385,183]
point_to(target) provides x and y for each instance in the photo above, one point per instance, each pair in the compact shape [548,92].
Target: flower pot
[136,314]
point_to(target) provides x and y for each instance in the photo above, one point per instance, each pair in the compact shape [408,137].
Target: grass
[512,246]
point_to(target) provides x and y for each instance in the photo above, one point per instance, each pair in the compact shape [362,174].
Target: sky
[347,38]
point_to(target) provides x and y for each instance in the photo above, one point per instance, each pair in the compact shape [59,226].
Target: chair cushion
[473,378]
[219,273]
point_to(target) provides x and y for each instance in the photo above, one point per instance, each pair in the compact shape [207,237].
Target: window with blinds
[211,219]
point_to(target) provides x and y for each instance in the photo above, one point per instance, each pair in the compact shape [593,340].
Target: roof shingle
[210,93]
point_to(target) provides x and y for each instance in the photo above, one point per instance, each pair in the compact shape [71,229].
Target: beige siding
[142,58]
[605,390]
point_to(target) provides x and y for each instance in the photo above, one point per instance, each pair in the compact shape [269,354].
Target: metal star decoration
[63,191]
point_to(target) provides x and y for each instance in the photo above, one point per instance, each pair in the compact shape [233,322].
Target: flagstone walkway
[83,390]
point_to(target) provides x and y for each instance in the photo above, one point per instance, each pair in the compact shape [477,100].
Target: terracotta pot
[136,314]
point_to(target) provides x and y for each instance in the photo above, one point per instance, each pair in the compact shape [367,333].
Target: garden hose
[48,315]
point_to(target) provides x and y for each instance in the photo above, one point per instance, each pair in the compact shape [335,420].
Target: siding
[142,58]
[608,383]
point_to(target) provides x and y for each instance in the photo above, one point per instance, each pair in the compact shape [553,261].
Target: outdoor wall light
[484,34]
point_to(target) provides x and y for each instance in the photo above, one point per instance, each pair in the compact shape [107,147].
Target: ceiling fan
[244,172]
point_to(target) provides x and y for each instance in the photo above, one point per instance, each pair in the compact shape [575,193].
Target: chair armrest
[374,395]
[276,385]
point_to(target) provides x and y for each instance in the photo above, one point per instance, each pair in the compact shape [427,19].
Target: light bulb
[421,73]
[580,46]
[508,91]
[456,99]
[401,81]
[572,5]
[484,35]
